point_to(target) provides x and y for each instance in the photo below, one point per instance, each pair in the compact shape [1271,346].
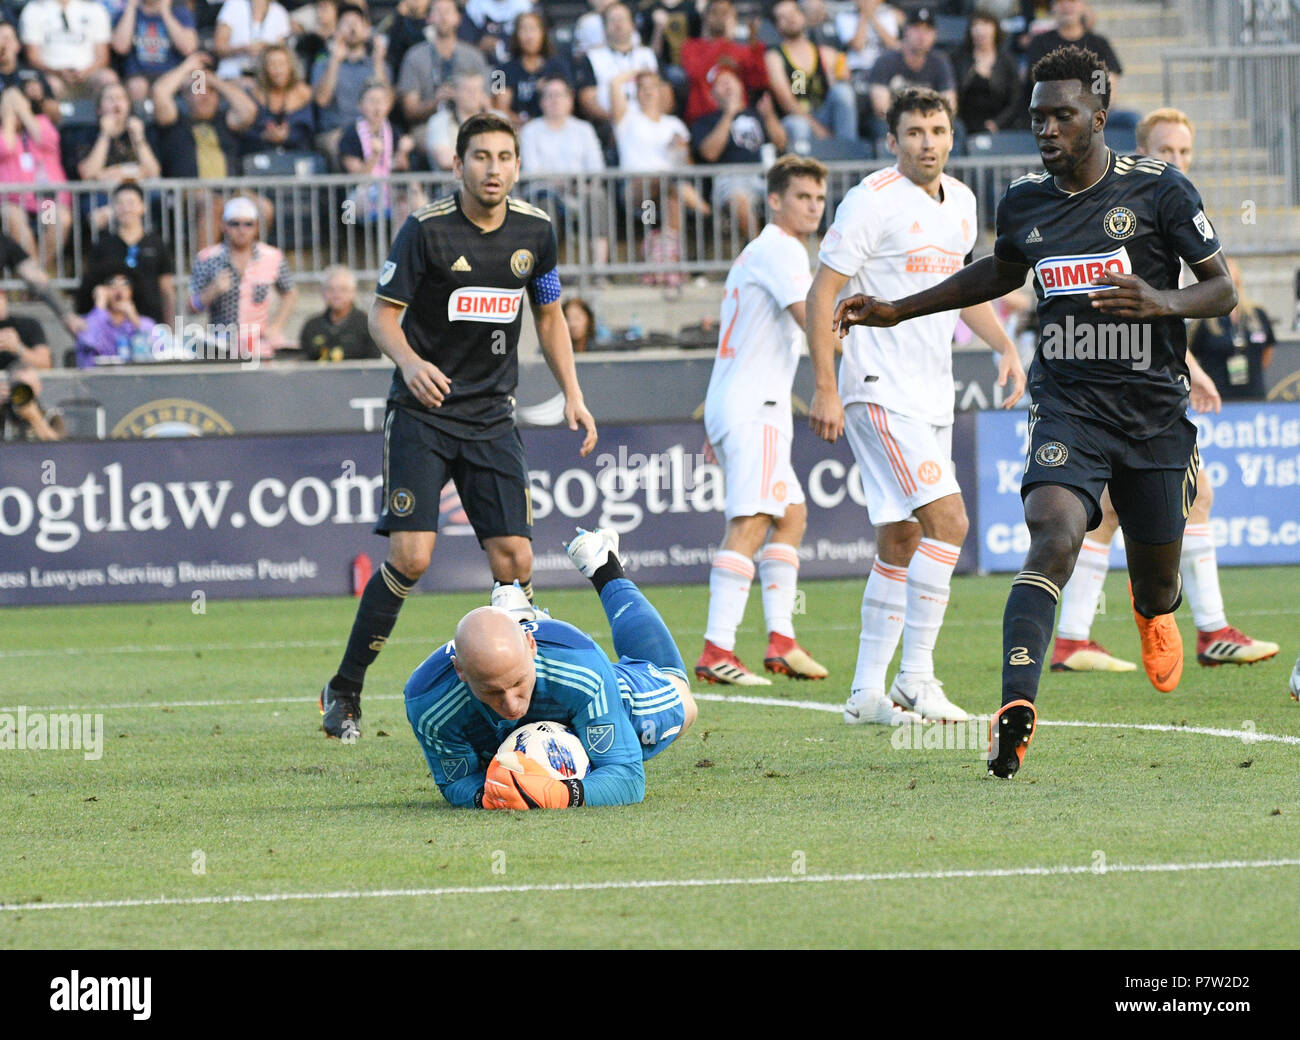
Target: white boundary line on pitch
[601,886]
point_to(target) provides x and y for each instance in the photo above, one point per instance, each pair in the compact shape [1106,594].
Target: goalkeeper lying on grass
[498,674]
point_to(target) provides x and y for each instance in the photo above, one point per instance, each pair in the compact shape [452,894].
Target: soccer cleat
[1229,645]
[1083,655]
[514,601]
[723,666]
[591,549]
[786,657]
[872,706]
[1162,650]
[925,696]
[1010,731]
[341,715]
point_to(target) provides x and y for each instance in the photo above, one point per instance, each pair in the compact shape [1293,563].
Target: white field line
[602,886]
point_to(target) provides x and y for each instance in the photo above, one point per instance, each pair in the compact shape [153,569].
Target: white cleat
[591,549]
[872,706]
[514,601]
[925,696]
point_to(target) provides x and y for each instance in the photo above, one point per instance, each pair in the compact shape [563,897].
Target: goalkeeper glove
[515,781]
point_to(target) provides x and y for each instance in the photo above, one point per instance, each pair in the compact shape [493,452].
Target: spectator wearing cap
[340,332]
[114,327]
[719,41]
[129,246]
[245,28]
[424,83]
[492,22]
[1071,30]
[915,64]
[152,37]
[807,82]
[29,154]
[338,81]
[621,56]
[233,281]
[733,134]
[989,93]
[532,59]
[67,40]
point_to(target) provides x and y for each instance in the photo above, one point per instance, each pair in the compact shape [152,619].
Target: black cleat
[1010,732]
[341,715]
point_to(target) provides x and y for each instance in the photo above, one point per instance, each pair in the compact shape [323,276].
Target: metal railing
[1242,23]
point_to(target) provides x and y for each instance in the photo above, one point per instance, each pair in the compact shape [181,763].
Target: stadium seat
[836,149]
[1006,142]
[1121,130]
[299,211]
[950,30]
[78,113]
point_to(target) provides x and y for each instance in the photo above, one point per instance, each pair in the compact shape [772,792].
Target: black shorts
[1152,482]
[491,478]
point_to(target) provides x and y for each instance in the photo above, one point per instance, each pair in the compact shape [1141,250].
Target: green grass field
[216,789]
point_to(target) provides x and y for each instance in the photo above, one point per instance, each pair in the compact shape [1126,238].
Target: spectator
[338,80]
[493,22]
[806,82]
[29,154]
[735,134]
[371,148]
[718,42]
[404,28]
[22,418]
[14,72]
[114,328]
[597,71]
[129,246]
[22,339]
[469,97]
[314,42]
[67,40]
[582,324]
[989,93]
[200,140]
[819,24]
[560,143]
[120,151]
[285,118]
[532,59]
[428,68]
[667,25]
[1072,30]
[152,37]
[1235,350]
[589,29]
[245,28]
[866,32]
[15,259]
[232,282]
[915,64]
[340,332]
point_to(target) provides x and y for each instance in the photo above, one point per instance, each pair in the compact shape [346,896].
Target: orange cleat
[723,666]
[1229,645]
[786,657]
[1162,650]
[1010,731]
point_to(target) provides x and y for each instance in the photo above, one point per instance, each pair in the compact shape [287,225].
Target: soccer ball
[553,745]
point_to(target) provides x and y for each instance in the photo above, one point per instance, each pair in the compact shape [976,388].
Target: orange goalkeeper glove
[515,781]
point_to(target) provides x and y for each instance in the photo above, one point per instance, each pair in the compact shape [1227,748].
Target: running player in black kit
[1103,234]
[447,312]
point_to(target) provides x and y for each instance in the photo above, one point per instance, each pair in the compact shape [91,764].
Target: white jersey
[893,239]
[759,340]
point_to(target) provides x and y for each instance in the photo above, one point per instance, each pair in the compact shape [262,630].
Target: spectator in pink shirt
[29,154]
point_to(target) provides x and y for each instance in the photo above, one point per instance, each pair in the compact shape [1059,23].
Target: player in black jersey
[1103,235]
[447,312]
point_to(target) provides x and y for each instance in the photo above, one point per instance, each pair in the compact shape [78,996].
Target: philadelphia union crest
[1053,453]
[1120,223]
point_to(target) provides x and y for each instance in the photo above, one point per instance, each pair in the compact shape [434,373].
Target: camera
[20,395]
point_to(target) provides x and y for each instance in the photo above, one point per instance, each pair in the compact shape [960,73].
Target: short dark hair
[484,123]
[345,9]
[788,167]
[515,48]
[129,186]
[915,99]
[1074,63]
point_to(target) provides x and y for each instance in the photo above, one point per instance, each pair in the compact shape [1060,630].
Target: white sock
[929,577]
[778,571]
[884,604]
[1082,592]
[1200,571]
[729,579]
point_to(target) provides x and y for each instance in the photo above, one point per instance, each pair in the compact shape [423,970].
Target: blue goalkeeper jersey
[576,685]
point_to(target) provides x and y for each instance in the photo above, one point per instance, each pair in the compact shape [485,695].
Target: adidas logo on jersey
[915,228]
[1030,238]
[461,264]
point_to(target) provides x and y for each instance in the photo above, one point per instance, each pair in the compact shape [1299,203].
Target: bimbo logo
[476,303]
[1062,275]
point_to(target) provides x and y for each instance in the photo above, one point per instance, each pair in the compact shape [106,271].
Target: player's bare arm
[826,413]
[983,321]
[980,282]
[1204,394]
[557,348]
[1212,296]
[425,380]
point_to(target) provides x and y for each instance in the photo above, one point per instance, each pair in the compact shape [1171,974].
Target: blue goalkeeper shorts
[652,702]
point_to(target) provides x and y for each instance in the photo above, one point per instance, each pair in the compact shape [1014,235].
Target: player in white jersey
[901,230]
[1166,134]
[747,415]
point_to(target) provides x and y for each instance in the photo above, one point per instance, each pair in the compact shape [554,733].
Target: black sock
[383,597]
[527,586]
[607,572]
[1026,633]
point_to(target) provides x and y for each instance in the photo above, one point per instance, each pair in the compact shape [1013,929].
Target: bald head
[494,656]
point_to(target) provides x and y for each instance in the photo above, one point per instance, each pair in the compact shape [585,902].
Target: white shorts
[905,463]
[756,469]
